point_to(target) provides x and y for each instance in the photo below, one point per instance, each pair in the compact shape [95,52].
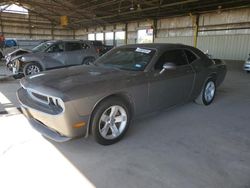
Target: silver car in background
[247,65]
[54,54]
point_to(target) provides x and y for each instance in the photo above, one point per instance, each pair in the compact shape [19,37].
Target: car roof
[65,40]
[157,45]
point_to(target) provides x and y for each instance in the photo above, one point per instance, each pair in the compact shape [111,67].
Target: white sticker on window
[143,50]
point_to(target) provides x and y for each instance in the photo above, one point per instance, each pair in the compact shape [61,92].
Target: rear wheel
[110,121]
[31,68]
[207,94]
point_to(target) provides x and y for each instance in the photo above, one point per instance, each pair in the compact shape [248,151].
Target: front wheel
[1,55]
[31,68]
[110,121]
[18,76]
[207,94]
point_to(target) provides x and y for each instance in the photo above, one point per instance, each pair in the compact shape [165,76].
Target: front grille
[40,97]
[54,103]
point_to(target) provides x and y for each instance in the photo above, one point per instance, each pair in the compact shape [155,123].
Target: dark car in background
[100,47]
[54,54]
[128,81]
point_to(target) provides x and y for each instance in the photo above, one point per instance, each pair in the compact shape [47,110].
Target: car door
[172,86]
[74,52]
[54,56]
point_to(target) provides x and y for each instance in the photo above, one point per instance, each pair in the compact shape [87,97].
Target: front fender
[15,57]
[24,60]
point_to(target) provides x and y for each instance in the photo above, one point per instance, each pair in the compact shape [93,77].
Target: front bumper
[53,125]
[14,66]
[51,134]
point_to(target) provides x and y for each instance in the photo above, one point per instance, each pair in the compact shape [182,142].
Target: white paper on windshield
[143,50]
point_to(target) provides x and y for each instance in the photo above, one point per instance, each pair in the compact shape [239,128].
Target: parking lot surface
[189,146]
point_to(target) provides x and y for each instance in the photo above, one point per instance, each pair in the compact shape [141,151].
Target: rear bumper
[55,126]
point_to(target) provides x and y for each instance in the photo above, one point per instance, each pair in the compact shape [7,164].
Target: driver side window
[59,47]
[171,56]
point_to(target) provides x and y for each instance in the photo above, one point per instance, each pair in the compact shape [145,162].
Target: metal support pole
[30,31]
[104,35]
[154,29]
[196,28]
[114,39]
[126,33]
[52,31]
[1,23]
[74,34]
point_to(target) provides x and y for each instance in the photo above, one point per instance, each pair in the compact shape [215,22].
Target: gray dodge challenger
[102,98]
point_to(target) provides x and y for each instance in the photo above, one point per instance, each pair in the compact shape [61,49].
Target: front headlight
[16,64]
[56,102]
[22,59]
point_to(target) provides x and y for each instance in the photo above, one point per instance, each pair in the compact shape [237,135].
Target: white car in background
[247,64]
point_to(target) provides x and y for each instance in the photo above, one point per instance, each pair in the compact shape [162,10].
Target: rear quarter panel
[203,69]
[206,68]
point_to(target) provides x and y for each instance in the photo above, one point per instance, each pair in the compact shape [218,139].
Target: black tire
[1,55]
[96,123]
[27,67]
[18,76]
[202,99]
[248,72]
[88,61]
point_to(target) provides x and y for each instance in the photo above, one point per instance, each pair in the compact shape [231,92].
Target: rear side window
[190,56]
[72,46]
[58,47]
[172,56]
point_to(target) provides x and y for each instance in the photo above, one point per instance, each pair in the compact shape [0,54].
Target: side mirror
[168,66]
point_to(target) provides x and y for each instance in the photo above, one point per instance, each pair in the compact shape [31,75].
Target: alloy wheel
[209,91]
[113,122]
[32,69]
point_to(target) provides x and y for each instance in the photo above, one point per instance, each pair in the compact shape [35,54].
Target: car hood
[16,57]
[17,50]
[74,79]
[24,56]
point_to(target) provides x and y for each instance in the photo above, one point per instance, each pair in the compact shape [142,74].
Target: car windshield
[134,59]
[42,47]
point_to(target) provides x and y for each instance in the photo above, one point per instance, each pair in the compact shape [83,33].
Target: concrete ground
[190,146]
